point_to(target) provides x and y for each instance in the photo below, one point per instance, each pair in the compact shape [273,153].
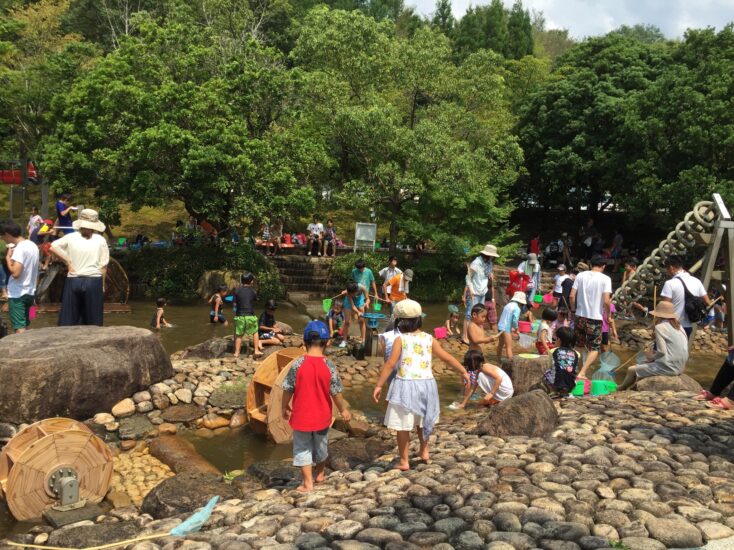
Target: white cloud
[593,17]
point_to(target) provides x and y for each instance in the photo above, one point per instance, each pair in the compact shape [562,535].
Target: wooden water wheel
[116,288]
[29,462]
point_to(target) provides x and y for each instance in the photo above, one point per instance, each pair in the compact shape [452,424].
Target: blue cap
[318,327]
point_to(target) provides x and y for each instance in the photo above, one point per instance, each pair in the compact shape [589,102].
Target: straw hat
[664,310]
[562,267]
[519,297]
[88,219]
[582,266]
[490,250]
[408,309]
[532,259]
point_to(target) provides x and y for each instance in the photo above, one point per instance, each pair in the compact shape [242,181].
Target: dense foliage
[175,272]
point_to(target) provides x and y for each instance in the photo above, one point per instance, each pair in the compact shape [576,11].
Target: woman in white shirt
[86,255]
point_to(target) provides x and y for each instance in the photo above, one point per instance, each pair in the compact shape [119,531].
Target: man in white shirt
[315,232]
[479,280]
[591,298]
[389,272]
[673,290]
[86,255]
[22,261]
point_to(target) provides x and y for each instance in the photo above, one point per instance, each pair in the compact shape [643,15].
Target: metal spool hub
[53,462]
[371,339]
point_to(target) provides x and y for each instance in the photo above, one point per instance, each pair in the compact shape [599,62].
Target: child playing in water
[560,378]
[355,298]
[452,323]
[335,318]
[413,395]
[245,321]
[475,331]
[608,326]
[508,324]
[159,318]
[311,383]
[216,314]
[492,380]
[268,331]
[544,341]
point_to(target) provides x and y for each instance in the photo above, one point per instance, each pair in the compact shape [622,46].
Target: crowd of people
[78,244]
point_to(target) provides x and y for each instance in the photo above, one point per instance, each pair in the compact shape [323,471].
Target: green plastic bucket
[538,299]
[578,391]
[611,386]
[599,387]
[326,303]
[377,306]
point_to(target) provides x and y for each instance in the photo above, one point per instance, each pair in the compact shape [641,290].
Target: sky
[593,17]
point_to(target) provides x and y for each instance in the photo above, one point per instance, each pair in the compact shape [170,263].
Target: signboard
[365,235]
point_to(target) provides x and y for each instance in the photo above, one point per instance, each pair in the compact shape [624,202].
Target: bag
[518,282]
[694,306]
[553,248]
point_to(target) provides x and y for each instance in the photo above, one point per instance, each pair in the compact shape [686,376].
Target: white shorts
[485,384]
[401,419]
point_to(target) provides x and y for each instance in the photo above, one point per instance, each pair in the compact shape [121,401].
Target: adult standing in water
[479,278]
[86,255]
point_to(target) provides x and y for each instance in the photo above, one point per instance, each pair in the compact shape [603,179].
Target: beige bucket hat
[88,219]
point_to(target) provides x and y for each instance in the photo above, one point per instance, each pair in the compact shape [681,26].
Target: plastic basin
[439,333]
[600,387]
[526,340]
[578,391]
[524,327]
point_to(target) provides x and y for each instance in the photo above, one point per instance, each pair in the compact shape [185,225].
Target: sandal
[704,395]
[720,405]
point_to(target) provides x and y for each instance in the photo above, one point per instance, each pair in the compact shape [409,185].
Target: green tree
[159,119]
[495,27]
[520,32]
[425,144]
[443,19]
[647,34]
[551,43]
[572,128]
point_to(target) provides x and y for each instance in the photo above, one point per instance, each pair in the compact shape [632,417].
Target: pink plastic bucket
[32,312]
[548,298]
[524,327]
[439,332]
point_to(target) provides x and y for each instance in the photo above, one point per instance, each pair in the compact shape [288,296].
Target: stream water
[236,450]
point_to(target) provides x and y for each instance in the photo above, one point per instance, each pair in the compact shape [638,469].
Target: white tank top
[416,357]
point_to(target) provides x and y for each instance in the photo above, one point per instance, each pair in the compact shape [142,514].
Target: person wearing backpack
[686,292]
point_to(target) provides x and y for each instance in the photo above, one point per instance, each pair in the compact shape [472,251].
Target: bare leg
[256,345]
[270,342]
[363,328]
[508,344]
[307,472]
[590,358]
[500,345]
[237,345]
[403,444]
[468,392]
[629,379]
[347,322]
[318,471]
[423,451]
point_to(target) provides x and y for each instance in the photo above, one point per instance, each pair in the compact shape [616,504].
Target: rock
[160,401]
[342,530]
[183,413]
[531,414]
[668,383]
[450,526]
[124,408]
[144,406]
[92,535]
[213,421]
[239,419]
[229,396]
[674,532]
[519,541]
[103,418]
[141,396]
[526,373]
[135,427]
[76,371]
[565,530]
[593,543]
[347,453]
[640,543]
[209,349]
[468,540]
[505,521]
[427,539]
[167,429]
[713,530]
[184,395]
[351,545]
[180,455]
[118,499]
[550,544]
[310,541]
[274,473]
[184,493]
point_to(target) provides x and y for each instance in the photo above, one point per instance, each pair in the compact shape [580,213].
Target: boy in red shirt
[312,381]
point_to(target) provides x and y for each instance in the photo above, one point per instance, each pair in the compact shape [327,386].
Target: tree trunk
[394,228]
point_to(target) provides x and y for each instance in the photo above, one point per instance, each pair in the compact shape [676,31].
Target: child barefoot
[216,315]
[268,331]
[413,395]
[159,318]
[245,322]
[492,380]
[544,341]
[312,382]
[560,378]
[335,318]
[355,300]
[475,331]
[452,323]
[508,324]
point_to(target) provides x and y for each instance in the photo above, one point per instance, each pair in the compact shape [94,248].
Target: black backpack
[694,307]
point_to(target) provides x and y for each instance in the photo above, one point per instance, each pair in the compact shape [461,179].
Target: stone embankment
[644,470]
[636,335]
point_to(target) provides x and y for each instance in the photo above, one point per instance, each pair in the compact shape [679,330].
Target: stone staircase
[306,274]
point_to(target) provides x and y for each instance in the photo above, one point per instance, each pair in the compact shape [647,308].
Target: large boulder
[184,493]
[210,281]
[209,349]
[532,414]
[682,382]
[347,453]
[526,371]
[76,371]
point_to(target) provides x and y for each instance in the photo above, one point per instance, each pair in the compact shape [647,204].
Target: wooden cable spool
[29,460]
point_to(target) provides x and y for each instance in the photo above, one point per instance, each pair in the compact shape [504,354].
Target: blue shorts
[471,301]
[310,447]
[214,318]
